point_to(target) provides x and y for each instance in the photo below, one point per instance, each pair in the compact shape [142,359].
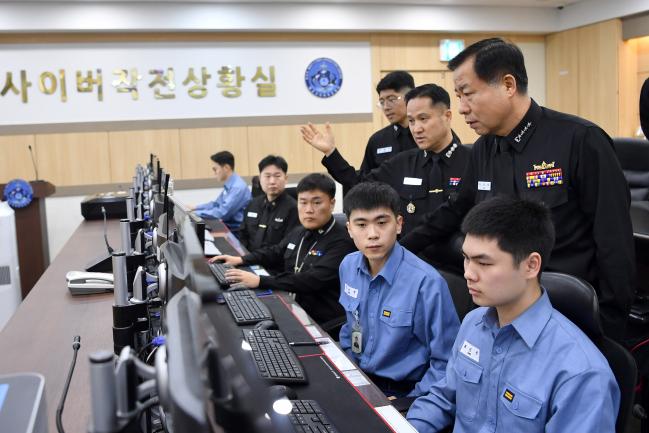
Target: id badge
[357,342]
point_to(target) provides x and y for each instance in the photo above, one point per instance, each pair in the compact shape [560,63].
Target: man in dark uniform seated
[531,152]
[270,216]
[310,254]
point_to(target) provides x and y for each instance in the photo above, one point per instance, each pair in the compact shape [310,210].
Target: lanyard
[297,268]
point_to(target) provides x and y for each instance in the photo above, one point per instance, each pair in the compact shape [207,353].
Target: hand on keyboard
[228,260]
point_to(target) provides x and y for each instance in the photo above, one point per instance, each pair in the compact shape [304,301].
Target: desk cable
[76,345]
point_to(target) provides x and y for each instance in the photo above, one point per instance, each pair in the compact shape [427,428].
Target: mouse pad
[343,405]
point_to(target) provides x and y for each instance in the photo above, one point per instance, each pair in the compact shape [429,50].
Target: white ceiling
[514,3]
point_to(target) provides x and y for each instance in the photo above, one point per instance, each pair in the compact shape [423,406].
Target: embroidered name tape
[349,290]
[279,220]
[252,214]
[470,350]
[412,181]
[381,150]
[290,246]
[484,186]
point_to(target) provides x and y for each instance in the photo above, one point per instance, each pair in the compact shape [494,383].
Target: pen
[307,343]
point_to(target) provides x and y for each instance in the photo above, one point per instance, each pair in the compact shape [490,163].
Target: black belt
[386,384]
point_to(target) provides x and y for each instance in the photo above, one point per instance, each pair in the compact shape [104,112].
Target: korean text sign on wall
[88,83]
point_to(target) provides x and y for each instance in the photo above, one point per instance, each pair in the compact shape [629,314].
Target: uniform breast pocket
[396,325]
[522,410]
[551,196]
[467,396]
[413,192]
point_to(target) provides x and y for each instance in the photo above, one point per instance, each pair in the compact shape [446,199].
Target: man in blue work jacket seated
[401,322]
[517,365]
[234,198]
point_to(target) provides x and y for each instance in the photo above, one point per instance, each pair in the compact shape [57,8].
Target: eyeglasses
[390,100]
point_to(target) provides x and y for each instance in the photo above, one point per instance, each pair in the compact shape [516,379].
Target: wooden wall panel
[281,140]
[129,148]
[74,158]
[598,74]
[197,145]
[629,114]
[15,162]
[351,139]
[562,71]
[643,54]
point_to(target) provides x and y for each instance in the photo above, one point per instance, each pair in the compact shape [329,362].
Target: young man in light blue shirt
[401,321]
[234,198]
[517,365]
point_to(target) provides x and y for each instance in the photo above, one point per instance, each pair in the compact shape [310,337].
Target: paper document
[392,416]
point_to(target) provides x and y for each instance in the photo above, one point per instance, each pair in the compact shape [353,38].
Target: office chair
[292,191]
[255,187]
[576,299]
[340,218]
[459,292]
[633,154]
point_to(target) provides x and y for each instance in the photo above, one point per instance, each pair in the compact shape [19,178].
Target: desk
[38,338]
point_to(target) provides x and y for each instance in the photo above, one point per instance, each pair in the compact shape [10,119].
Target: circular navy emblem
[323,77]
[18,193]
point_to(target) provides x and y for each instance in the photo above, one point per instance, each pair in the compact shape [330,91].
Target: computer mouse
[282,391]
[266,324]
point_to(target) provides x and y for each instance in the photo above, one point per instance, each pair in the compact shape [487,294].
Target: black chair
[292,191]
[255,187]
[576,299]
[459,292]
[633,154]
[340,218]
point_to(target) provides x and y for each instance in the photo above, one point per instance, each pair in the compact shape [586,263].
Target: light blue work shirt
[229,205]
[406,314]
[540,373]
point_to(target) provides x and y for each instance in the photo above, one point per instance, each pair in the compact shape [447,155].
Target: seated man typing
[310,254]
[517,365]
[401,322]
[229,205]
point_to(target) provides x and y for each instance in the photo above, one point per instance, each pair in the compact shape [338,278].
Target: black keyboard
[246,307]
[218,270]
[225,247]
[308,417]
[273,356]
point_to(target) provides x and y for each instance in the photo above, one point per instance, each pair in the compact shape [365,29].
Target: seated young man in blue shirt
[234,198]
[401,321]
[517,365]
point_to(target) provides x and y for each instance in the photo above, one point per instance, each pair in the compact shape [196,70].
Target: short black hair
[319,182]
[520,227]
[494,58]
[397,81]
[275,160]
[437,94]
[369,196]
[222,158]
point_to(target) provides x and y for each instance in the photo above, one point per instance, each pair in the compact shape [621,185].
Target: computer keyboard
[308,416]
[246,307]
[218,270]
[273,356]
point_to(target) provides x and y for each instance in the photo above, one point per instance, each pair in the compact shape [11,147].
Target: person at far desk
[401,321]
[532,152]
[517,364]
[270,216]
[423,177]
[229,205]
[310,254]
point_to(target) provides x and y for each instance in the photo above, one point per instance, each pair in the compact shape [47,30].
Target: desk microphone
[110,249]
[31,152]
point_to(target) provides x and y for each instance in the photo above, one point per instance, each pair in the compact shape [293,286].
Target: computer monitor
[180,211]
[204,345]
